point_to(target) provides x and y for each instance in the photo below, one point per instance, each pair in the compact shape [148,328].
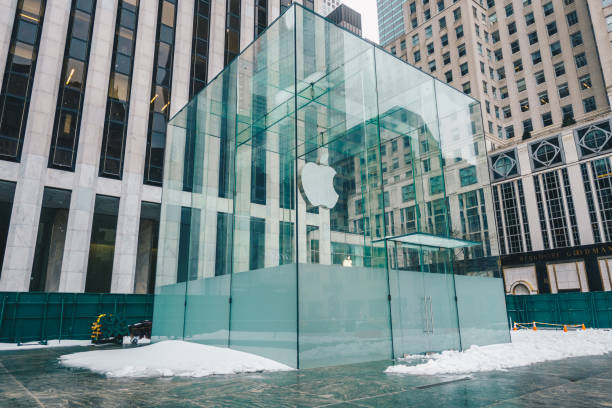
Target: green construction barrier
[593,309]
[42,316]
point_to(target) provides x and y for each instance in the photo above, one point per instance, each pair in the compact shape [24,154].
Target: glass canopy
[283,175]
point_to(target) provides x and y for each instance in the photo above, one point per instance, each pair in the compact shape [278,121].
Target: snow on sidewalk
[171,358]
[527,347]
[37,345]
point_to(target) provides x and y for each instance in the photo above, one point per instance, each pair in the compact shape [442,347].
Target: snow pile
[37,345]
[527,347]
[171,358]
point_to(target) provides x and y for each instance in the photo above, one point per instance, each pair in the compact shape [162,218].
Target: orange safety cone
[565,328]
[534,327]
[514,328]
[583,328]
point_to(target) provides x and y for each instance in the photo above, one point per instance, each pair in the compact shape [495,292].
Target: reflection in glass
[102,244]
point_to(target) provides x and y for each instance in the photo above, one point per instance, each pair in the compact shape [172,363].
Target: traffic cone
[583,328]
[565,328]
[514,328]
[534,327]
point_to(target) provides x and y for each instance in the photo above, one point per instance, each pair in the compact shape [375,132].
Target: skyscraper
[543,75]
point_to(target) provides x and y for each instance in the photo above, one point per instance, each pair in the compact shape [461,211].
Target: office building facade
[88,87]
[543,75]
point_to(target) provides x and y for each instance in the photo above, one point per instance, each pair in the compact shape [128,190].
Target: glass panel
[47,265]
[146,256]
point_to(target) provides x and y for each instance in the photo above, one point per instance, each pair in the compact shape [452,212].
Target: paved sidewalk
[33,378]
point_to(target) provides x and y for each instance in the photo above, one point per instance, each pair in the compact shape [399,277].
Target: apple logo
[317,184]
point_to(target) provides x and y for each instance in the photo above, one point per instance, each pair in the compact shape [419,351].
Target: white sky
[369,19]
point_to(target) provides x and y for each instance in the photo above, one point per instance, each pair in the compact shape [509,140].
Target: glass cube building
[326,203]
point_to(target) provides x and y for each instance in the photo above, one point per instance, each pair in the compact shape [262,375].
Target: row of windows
[118,102]
[19,76]
[65,138]
[160,93]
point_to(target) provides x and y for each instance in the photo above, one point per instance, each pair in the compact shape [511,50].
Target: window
[509,130]
[459,31]
[19,76]
[393,51]
[548,9]
[160,92]
[468,176]
[482,67]
[547,119]
[442,23]
[417,56]
[499,54]
[117,104]
[232,30]
[518,65]
[576,39]
[503,92]
[426,165]
[427,14]
[526,3]
[563,90]
[495,36]
[403,44]
[551,28]
[589,104]
[415,39]
[507,112]
[449,76]
[533,37]
[428,32]
[484,87]
[512,28]
[527,126]
[432,66]
[261,16]
[559,69]
[567,112]
[412,7]
[572,18]
[103,233]
[457,13]
[524,105]
[64,139]
[408,193]
[536,57]
[467,88]
[555,48]
[509,9]
[520,85]
[543,97]
[440,5]
[461,50]
[436,185]
[514,46]
[444,40]
[529,19]
[414,22]
[585,82]
[501,73]
[430,48]
[464,68]
[540,78]
[446,58]
[581,60]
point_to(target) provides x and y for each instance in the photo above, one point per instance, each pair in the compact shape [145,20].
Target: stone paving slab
[34,378]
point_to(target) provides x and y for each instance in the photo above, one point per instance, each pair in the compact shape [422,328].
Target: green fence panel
[593,309]
[41,316]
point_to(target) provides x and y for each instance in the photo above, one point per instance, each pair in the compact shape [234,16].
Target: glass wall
[290,181]
[47,265]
